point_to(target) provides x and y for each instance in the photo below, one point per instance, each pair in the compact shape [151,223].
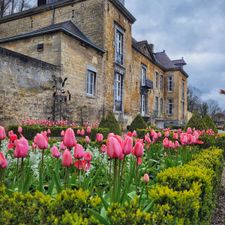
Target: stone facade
[26,87]
[91,45]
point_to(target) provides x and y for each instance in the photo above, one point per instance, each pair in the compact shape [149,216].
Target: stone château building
[89,42]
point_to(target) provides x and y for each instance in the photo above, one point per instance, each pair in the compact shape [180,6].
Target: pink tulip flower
[127,145]
[138,150]
[2,133]
[21,148]
[104,149]
[114,149]
[20,130]
[175,136]
[55,152]
[78,132]
[88,129]
[87,140]
[88,156]
[69,139]
[67,159]
[82,133]
[62,133]
[99,138]
[3,161]
[146,178]
[41,141]
[78,151]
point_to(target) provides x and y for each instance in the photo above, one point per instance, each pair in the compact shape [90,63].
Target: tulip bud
[146,178]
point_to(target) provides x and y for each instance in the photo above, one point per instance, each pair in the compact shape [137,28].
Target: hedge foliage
[188,192]
[111,123]
[210,123]
[196,122]
[29,132]
[68,207]
[138,123]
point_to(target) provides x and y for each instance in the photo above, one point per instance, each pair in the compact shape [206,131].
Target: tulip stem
[1,175]
[41,172]
[114,181]
[66,177]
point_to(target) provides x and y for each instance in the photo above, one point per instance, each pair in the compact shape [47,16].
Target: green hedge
[196,122]
[138,123]
[30,131]
[188,193]
[68,207]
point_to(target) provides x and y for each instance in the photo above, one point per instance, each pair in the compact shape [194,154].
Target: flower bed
[165,176]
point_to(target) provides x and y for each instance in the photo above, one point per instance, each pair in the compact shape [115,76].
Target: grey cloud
[194,29]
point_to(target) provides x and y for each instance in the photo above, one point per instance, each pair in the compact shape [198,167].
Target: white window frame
[161,106]
[170,83]
[119,45]
[170,107]
[143,74]
[143,104]
[156,80]
[156,105]
[161,82]
[118,91]
[91,83]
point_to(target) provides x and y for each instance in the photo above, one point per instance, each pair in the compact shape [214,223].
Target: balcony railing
[148,84]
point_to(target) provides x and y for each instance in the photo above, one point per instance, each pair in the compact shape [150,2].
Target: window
[156,106]
[143,74]
[156,80]
[143,105]
[40,47]
[170,106]
[91,82]
[118,92]
[119,45]
[182,89]
[161,106]
[170,83]
[183,114]
[161,82]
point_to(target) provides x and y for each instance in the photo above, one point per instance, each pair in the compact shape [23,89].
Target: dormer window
[119,39]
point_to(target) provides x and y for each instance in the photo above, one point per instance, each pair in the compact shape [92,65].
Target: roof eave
[20,37]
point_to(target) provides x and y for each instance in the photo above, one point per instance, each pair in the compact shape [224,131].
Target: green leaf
[99,217]
[57,182]
[149,206]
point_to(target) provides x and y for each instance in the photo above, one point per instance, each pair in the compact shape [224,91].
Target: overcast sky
[194,29]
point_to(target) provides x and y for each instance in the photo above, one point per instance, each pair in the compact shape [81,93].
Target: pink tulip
[78,151]
[79,164]
[166,142]
[20,130]
[22,148]
[3,161]
[62,133]
[147,139]
[48,131]
[82,133]
[55,152]
[88,129]
[86,165]
[87,156]
[138,150]
[99,138]
[78,132]
[175,136]
[146,178]
[134,133]
[114,149]
[189,130]
[167,134]
[62,146]
[2,133]
[41,141]
[104,149]
[159,135]
[87,140]
[128,145]
[139,161]
[67,159]
[69,139]
[177,145]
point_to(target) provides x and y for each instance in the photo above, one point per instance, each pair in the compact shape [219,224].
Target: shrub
[192,186]
[197,122]
[29,132]
[138,123]
[111,123]
[210,123]
[68,207]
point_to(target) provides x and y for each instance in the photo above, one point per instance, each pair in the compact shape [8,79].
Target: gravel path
[219,215]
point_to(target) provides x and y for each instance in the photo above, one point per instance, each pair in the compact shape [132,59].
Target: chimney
[151,46]
[41,2]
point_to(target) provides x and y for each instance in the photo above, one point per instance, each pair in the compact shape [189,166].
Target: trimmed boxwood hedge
[138,123]
[29,132]
[196,122]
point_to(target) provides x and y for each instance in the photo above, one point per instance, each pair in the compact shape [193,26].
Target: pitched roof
[67,27]
[62,3]
[163,59]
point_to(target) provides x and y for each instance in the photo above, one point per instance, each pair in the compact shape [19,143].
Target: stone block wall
[25,88]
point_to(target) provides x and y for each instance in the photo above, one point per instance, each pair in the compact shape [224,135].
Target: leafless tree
[213,107]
